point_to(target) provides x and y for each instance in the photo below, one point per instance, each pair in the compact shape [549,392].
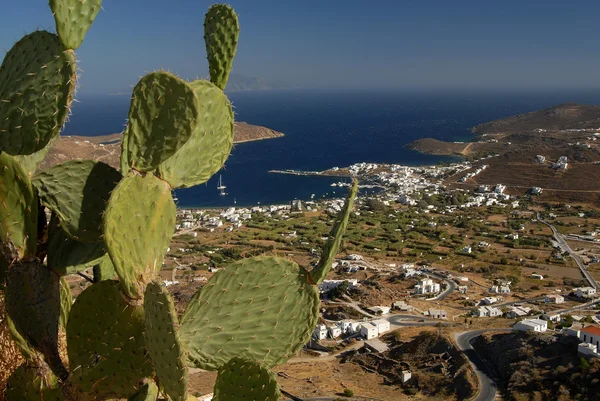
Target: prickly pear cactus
[123,336]
[105,343]
[37,81]
[138,229]
[261,309]
[162,117]
[245,380]
[161,328]
[221,32]
[73,19]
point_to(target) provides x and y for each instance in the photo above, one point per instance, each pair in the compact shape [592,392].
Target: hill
[540,366]
[241,83]
[107,148]
[561,117]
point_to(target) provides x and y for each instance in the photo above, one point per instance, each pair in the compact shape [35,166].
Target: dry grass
[10,356]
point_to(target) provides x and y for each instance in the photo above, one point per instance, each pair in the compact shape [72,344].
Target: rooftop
[592,330]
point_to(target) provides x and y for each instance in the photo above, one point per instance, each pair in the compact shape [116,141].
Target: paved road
[450,287]
[488,388]
[566,248]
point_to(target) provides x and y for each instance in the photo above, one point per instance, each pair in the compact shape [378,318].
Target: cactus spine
[123,335]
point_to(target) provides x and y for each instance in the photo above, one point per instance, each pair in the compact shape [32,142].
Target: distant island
[107,148]
[528,147]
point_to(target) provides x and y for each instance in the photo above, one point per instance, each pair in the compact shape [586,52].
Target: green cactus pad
[104,270]
[244,380]
[208,148]
[261,309]
[77,191]
[31,162]
[18,210]
[37,80]
[66,301]
[162,117]
[148,392]
[28,383]
[105,343]
[221,32]
[68,256]
[332,246]
[123,160]
[27,352]
[73,19]
[33,303]
[162,341]
[138,226]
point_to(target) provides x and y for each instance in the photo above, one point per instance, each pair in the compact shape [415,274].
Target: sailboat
[221,187]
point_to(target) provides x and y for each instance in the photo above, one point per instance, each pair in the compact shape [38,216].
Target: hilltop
[562,117]
[107,148]
[568,129]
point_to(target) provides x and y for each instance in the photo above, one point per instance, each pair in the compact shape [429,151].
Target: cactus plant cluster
[124,338]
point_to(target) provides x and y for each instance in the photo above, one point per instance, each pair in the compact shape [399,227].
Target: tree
[350,393]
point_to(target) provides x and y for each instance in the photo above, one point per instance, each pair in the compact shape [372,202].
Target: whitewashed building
[320,332]
[383,326]
[427,286]
[536,325]
[585,292]
[487,311]
[369,330]
[328,285]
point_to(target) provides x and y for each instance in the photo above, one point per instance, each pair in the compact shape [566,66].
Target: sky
[429,44]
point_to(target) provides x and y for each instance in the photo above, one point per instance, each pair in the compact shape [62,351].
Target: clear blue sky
[342,43]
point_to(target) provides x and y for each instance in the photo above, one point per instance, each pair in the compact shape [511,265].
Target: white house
[348,326]
[554,299]
[368,330]
[590,335]
[487,311]
[466,249]
[537,276]
[517,311]
[585,292]
[320,332]
[331,284]
[489,300]
[406,375]
[380,310]
[382,325]
[537,325]
[551,317]
[588,349]
[334,331]
[427,286]
[409,272]
[438,314]
[500,289]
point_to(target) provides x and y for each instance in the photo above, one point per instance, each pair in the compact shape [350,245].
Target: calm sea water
[326,129]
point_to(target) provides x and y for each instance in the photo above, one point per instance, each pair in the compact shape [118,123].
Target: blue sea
[324,129]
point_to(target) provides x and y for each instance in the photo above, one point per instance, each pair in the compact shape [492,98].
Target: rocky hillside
[541,367]
[108,148]
[563,116]
[438,368]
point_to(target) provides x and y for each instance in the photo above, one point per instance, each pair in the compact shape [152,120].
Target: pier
[318,173]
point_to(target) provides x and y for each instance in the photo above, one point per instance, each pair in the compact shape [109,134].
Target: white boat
[221,187]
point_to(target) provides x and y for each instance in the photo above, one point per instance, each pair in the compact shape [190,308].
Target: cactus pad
[18,210]
[138,226]
[73,19]
[31,162]
[123,160]
[221,32]
[77,191]
[208,148]
[260,308]
[29,383]
[104,270]
[68,256]
[37,80]
[66,301]
[244,380]
[105,343]
[162,117]
[148,392]
[332,246]
[33,303]
[162,341]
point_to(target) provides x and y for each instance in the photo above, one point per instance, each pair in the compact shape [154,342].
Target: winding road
[488,389]
[562,243]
